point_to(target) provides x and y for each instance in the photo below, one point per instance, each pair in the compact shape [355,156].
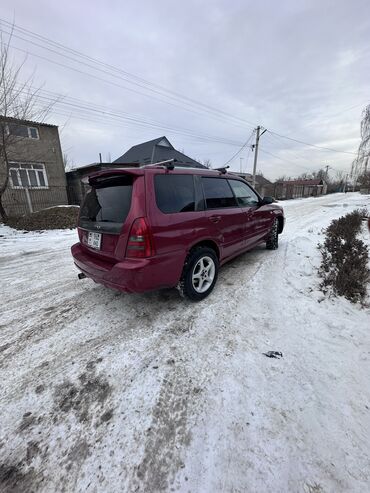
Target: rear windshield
[107,205]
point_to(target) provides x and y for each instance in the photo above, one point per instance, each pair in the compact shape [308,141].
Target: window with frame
[23,131]
[27,175]
[245,196]
[218,193]
[174,193]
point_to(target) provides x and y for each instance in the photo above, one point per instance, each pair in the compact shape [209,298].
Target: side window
[218,193]
[174,193]
[243,193]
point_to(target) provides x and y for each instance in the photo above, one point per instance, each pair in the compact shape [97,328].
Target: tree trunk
[3,187]
[3,214]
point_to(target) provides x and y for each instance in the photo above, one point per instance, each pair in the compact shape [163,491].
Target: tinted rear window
[107,205]
[174,193]
[218,193]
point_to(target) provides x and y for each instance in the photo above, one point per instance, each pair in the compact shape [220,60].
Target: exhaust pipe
[81,275]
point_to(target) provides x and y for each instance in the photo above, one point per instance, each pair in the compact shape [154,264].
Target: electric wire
[241,148]
[55,48]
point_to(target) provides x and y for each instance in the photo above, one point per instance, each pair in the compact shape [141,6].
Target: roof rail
[222,170]
[169,163]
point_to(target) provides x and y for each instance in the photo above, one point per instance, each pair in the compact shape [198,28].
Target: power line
[85,115]
[140,82]
[285,160]
[240,150]
[86,108]
[311,145]
[299,155]
[348,109]
[116,69]
[130,78]
[112,83]
[138,79]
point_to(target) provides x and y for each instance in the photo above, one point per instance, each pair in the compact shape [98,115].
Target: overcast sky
[300,68]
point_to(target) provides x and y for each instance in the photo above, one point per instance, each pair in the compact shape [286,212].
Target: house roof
[156,150]
[10,119]
[303,182]
[260,180]
[87,168]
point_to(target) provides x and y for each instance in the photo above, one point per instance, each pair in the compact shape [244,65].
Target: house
[143,154]
[263,186]
[292,189]
[36,178]
[155,151]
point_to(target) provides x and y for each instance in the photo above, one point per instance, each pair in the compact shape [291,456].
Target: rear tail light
[140,240]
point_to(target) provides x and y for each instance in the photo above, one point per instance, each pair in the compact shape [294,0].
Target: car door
[174,214]
[258,219]
[225,218]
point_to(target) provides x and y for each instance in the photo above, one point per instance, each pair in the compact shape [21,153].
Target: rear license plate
[94,240]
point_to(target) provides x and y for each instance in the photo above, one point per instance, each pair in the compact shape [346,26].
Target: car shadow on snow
[169,298]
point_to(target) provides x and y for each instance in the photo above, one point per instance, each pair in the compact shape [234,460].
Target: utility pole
[255,147]
[327,170]
[241,164]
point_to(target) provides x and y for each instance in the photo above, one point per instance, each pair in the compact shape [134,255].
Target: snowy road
[107,392]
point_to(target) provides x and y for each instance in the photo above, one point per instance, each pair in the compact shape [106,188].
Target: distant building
[143,154]
[154,151]
[75,187]
[292,189]
[36,178]
[263,186]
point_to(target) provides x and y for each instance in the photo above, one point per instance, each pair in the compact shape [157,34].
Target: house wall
[45,150]
[76,189]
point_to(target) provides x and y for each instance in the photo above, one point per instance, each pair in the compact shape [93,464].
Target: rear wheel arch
[209,244]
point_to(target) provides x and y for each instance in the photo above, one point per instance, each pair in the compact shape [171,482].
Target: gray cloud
[298,68]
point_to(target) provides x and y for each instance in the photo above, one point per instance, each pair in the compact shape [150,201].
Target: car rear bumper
[130,275]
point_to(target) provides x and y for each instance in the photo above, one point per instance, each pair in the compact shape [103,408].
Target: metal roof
[10,119]
[153,151]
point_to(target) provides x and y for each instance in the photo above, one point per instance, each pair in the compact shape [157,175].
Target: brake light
[140,240]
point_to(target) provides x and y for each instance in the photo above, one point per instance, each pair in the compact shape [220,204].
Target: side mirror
[267,200]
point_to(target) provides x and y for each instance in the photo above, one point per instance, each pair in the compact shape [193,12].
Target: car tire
[272,242]
[199,274]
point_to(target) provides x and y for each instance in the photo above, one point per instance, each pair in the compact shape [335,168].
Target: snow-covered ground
[107,392]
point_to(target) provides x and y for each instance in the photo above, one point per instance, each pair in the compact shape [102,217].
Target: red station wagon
[161,226]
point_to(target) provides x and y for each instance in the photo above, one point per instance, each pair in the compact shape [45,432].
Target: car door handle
[215,219]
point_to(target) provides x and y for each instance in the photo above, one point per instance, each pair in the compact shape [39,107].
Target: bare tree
[304,176]
[207,163]
[337,182]
[364,180]
[282,178]
[321,174]
[19,100]
[361,163]
[67,161]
